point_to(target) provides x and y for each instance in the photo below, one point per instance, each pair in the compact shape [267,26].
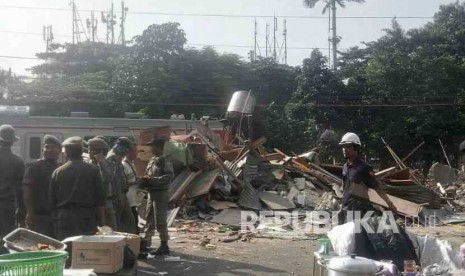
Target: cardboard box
[133,241]
[104,254]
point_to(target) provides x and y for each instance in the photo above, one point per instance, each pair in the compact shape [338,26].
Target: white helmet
[350,138]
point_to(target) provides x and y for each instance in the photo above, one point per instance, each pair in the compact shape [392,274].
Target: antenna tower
[92,26]
[109,20]
[122,37]
[77,24]
[48,37]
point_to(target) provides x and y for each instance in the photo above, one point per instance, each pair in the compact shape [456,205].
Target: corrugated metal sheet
[177,182]
[237,171]
[276,202]
[249,197]
[202,183]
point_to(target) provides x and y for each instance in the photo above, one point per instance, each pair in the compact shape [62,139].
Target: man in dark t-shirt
[357,174]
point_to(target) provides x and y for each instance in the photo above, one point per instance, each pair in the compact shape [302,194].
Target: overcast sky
[21,28]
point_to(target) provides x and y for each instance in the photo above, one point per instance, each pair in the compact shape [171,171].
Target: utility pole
[329,38]
[112,25]
[109,20]
[285,41]
[48,37]
[73,17]
[92,26]
[124,11]
[255,42]
[335,39]
[76,22]
[267,38]
[274,38]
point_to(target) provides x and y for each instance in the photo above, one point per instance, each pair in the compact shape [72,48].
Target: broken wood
[400,182]
[221,205]
[413,151]
[404,207]
[384,172]
[394,155]
[398,175]
[180,191]
[259,142]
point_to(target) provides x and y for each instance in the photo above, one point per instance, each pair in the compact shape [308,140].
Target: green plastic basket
[33,263]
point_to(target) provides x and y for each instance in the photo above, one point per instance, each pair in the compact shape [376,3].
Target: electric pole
[255,42]
[285,41]
[124,12]
[92,26]
[48,37]
[335,39]
[76,22]
[109,20]
[73,17]
[267,39]
[112,25]
[329,38]
[275,28]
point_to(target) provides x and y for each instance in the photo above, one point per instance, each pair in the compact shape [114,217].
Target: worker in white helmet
[357,173]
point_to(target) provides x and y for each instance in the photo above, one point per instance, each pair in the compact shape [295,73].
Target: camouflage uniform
[118,183]
[160,174]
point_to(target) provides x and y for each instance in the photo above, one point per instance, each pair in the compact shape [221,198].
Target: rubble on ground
[219,181]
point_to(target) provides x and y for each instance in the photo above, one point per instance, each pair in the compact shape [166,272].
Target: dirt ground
[258,256]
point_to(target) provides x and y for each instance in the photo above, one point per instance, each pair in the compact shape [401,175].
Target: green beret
[73,141]
[52,140]
[97,143]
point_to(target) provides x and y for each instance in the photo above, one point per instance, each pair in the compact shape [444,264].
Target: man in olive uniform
[124,216]
[77,195]
[158,176]
[36,184]
[11,175]
[98,150]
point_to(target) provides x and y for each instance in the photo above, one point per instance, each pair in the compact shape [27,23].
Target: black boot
[162,250]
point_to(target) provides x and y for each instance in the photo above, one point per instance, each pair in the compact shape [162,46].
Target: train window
[35,144]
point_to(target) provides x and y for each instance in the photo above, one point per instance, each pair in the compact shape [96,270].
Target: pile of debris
[217,182]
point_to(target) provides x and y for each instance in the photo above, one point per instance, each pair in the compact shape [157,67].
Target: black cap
[50,139]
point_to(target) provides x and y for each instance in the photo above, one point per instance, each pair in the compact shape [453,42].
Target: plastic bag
[343,238]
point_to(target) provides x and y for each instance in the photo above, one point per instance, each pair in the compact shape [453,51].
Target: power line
[225,15]
[16,57]
[392,105]
[190,44]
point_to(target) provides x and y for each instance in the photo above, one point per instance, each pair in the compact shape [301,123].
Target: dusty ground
[259,256]
[454,234]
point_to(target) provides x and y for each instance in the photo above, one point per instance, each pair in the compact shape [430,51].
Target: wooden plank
[404,207]
[399,175]
[276,202]
[228,217]
[273,157]
[395,182]
[220,205]
[386,171]
[180,192]
[202,183]
[259,142]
